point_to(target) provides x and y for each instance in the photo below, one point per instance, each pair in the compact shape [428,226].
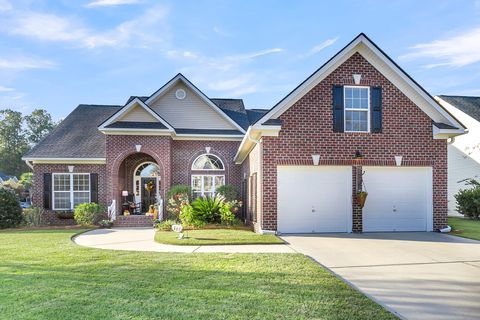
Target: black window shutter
[338,109]
[94,187]
[376,110]
[47,191]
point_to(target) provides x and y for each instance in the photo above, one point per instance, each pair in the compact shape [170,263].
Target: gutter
[28,163]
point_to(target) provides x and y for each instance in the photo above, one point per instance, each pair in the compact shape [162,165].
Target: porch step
[133,221]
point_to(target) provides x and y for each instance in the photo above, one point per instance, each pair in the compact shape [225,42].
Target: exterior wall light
[358,155]
[398,160]
[316,159]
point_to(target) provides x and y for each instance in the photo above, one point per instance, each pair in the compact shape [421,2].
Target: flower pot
[361,198]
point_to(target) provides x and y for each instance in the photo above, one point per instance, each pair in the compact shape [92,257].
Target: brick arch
[114,168]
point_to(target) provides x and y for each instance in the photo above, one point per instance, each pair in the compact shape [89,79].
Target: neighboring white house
[464,150]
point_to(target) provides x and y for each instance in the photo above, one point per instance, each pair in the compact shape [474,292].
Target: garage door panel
[398,199]
[313,199]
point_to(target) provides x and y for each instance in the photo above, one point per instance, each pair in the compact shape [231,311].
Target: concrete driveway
[416,275]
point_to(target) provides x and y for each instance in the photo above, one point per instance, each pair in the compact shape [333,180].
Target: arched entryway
[146,184]
[139,183]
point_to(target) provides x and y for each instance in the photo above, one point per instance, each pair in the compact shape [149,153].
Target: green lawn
[467,228]
[216,236]
[43,275]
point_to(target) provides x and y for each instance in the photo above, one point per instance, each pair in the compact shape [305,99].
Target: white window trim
[214,187]
[71,188]
[208,154]
[345,109]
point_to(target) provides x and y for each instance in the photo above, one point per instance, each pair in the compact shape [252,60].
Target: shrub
[177,196]
[189,217]
[88,213]
[207,209]
[229,191]
[227,217]
[10,210]
[33,217]
[105,223]
[165,225]
[468,200]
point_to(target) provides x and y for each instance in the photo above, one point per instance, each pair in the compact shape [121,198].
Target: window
[206,185]
[70,189]
[357,109]
[207,162]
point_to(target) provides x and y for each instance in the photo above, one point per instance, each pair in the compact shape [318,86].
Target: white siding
[463,155]
[191,112]
[138,114]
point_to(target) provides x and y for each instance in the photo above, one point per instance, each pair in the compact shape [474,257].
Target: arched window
[148,169]
[207,162]
[207,184]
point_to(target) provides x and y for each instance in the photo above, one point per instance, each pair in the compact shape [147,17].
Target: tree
[26,180]
[13,143]
[39,123]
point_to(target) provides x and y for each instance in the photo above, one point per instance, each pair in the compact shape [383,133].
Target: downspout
[29,164]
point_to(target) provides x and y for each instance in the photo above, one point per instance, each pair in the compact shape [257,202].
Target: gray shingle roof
[469,105]
[136,125]
[77,136]
[235,109]
[255,114]
[208,131]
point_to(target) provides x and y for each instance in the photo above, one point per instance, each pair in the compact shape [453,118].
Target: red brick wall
[37,192]
[307,129]
[184,152]
[120,147]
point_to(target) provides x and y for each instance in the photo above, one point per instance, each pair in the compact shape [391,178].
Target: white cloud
[319,47]
[456,51]
[24,63]
[6,89]
[140,31]
[5,5]
[110,3]
[231,72]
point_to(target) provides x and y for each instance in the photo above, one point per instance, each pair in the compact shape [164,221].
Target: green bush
[468,200]
[10,210]
[88,213]
[33,217]
[177,196]
[165,225]
[207,209]
[190,218]
[227,217]
[229,191]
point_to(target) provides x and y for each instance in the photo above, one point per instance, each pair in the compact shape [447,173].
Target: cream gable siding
[189,113]
[463,155]
[137,114]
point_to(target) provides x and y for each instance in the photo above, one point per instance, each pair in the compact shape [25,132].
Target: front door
[149,192]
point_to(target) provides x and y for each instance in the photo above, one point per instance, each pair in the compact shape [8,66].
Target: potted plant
[361,198]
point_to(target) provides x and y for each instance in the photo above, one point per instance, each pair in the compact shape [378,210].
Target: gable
[387,67]
[137,114]
[192,112]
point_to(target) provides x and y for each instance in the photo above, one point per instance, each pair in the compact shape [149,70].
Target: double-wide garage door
[319,199]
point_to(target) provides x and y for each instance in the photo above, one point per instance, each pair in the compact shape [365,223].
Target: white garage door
[314,199]
[399,199]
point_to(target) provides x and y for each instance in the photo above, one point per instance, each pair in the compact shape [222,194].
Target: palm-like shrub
[10,210]
[207,209]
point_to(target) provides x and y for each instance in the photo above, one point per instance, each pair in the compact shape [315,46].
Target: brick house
[357,123]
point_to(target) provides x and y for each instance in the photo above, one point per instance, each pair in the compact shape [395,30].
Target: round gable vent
[180,94]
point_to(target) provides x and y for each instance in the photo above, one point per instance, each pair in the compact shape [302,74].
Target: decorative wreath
[149,186]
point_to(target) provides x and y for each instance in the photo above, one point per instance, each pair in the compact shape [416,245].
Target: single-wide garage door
[399,199]
[314,199]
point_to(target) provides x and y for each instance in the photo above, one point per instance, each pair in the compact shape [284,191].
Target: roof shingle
[469,105]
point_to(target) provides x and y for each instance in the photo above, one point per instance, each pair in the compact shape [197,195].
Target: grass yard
[216,236]
[468,228]
[43,275]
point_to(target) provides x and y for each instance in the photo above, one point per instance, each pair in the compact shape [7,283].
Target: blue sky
[58,54]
